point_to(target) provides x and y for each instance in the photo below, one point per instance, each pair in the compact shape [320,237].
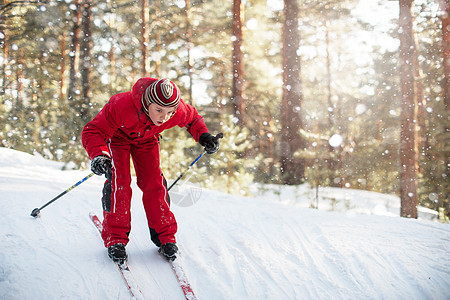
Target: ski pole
[182,174]
[36,211]
[216,138]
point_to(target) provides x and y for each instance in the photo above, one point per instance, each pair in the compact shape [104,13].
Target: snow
[271,246]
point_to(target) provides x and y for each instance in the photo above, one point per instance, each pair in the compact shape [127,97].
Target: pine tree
[408,146]
[292,169]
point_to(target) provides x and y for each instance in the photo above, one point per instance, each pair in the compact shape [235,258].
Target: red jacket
[123,117]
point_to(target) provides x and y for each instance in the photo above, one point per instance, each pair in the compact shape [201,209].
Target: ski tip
[94,217]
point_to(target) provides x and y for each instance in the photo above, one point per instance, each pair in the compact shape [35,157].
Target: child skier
[129,125]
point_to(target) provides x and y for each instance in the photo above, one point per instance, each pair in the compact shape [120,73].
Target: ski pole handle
[36,211]
[218,136]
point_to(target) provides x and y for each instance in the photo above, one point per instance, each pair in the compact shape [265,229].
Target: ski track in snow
[230,247]
[317,255]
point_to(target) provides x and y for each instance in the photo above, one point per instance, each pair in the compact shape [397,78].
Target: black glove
[100,164]
[210,142]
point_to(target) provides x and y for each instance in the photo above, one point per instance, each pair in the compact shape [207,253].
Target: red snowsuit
[122,129]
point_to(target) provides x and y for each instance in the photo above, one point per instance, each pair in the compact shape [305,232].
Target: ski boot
[117,253]
[169,250]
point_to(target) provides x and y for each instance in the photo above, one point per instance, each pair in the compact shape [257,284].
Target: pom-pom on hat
[162,92]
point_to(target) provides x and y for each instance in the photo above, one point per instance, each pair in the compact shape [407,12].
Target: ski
[182,280]
[131,283]
[123,268]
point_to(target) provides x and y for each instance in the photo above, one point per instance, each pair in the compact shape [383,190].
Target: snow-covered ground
[271,246]
[345,200]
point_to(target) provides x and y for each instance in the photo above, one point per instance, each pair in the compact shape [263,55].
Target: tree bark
[62,84]
[157,50]
[238,66]
[446,50]
[86,44]
[408,117]
[189,48]
[4,45]
[74,51]
[445,19]
[292,168]
[145,38]
[331,160]
[20,100]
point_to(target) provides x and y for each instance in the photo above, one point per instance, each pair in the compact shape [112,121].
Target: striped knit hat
[162,92]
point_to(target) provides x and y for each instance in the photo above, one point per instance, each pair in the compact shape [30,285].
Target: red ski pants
[117,193]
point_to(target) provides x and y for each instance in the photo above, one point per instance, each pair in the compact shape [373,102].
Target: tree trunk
[86,44]
[408,146]
[331,160]
[238,66]
[446,62]
[158,50]
[20,100]
[112,68]
[156,11]
[292,168]
[74,51]
[4,45]
[189,48]
[62,84]
[446,50]
[145,38]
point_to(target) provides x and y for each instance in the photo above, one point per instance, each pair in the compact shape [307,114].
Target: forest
[343,93]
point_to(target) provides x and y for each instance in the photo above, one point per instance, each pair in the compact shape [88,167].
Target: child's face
[160,114]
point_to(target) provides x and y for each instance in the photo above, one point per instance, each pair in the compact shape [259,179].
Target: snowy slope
[231,247]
